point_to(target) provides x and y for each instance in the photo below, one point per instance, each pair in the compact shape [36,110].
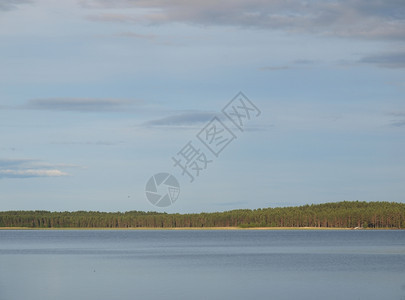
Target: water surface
[201,264]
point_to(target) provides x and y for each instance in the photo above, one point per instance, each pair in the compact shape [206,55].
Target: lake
[202,264]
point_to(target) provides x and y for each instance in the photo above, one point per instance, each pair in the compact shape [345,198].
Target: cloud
[368,19]
[29,173]
[398,123]
[184,119]
[4,163]
[12,4]
[398,114]
[79,104]
[196,120]
[389,60]
[89,143]
[399,120]
[29,168]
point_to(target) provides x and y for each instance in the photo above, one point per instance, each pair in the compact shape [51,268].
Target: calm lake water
[201,264]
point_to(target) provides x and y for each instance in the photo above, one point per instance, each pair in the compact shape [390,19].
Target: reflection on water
[202,264]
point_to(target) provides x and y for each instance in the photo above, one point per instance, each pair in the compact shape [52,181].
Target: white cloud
[369,19]
[80,104]
[29,168]
[31,173]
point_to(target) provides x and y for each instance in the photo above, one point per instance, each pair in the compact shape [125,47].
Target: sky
[97,96]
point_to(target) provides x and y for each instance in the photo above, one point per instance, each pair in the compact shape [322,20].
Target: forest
[346,214]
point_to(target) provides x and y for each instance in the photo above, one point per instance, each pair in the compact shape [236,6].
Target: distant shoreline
[336,215]
[196,228]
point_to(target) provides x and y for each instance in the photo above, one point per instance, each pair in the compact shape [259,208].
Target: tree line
[346,214]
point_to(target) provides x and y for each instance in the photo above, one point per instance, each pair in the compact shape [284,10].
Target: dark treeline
[342,214]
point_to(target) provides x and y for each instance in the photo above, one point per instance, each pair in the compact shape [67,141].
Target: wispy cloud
[398,123]
[12,4]
[89,143]
[7,163]
[80,104]
[29,173]
[399,119]
[398,114]
[196,120]
[389,60]
[29,168]
[183,119]
[369,19]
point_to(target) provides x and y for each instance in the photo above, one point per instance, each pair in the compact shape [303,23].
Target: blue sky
[97,96]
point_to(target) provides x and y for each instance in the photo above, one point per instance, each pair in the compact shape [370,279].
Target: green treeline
[342,214]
